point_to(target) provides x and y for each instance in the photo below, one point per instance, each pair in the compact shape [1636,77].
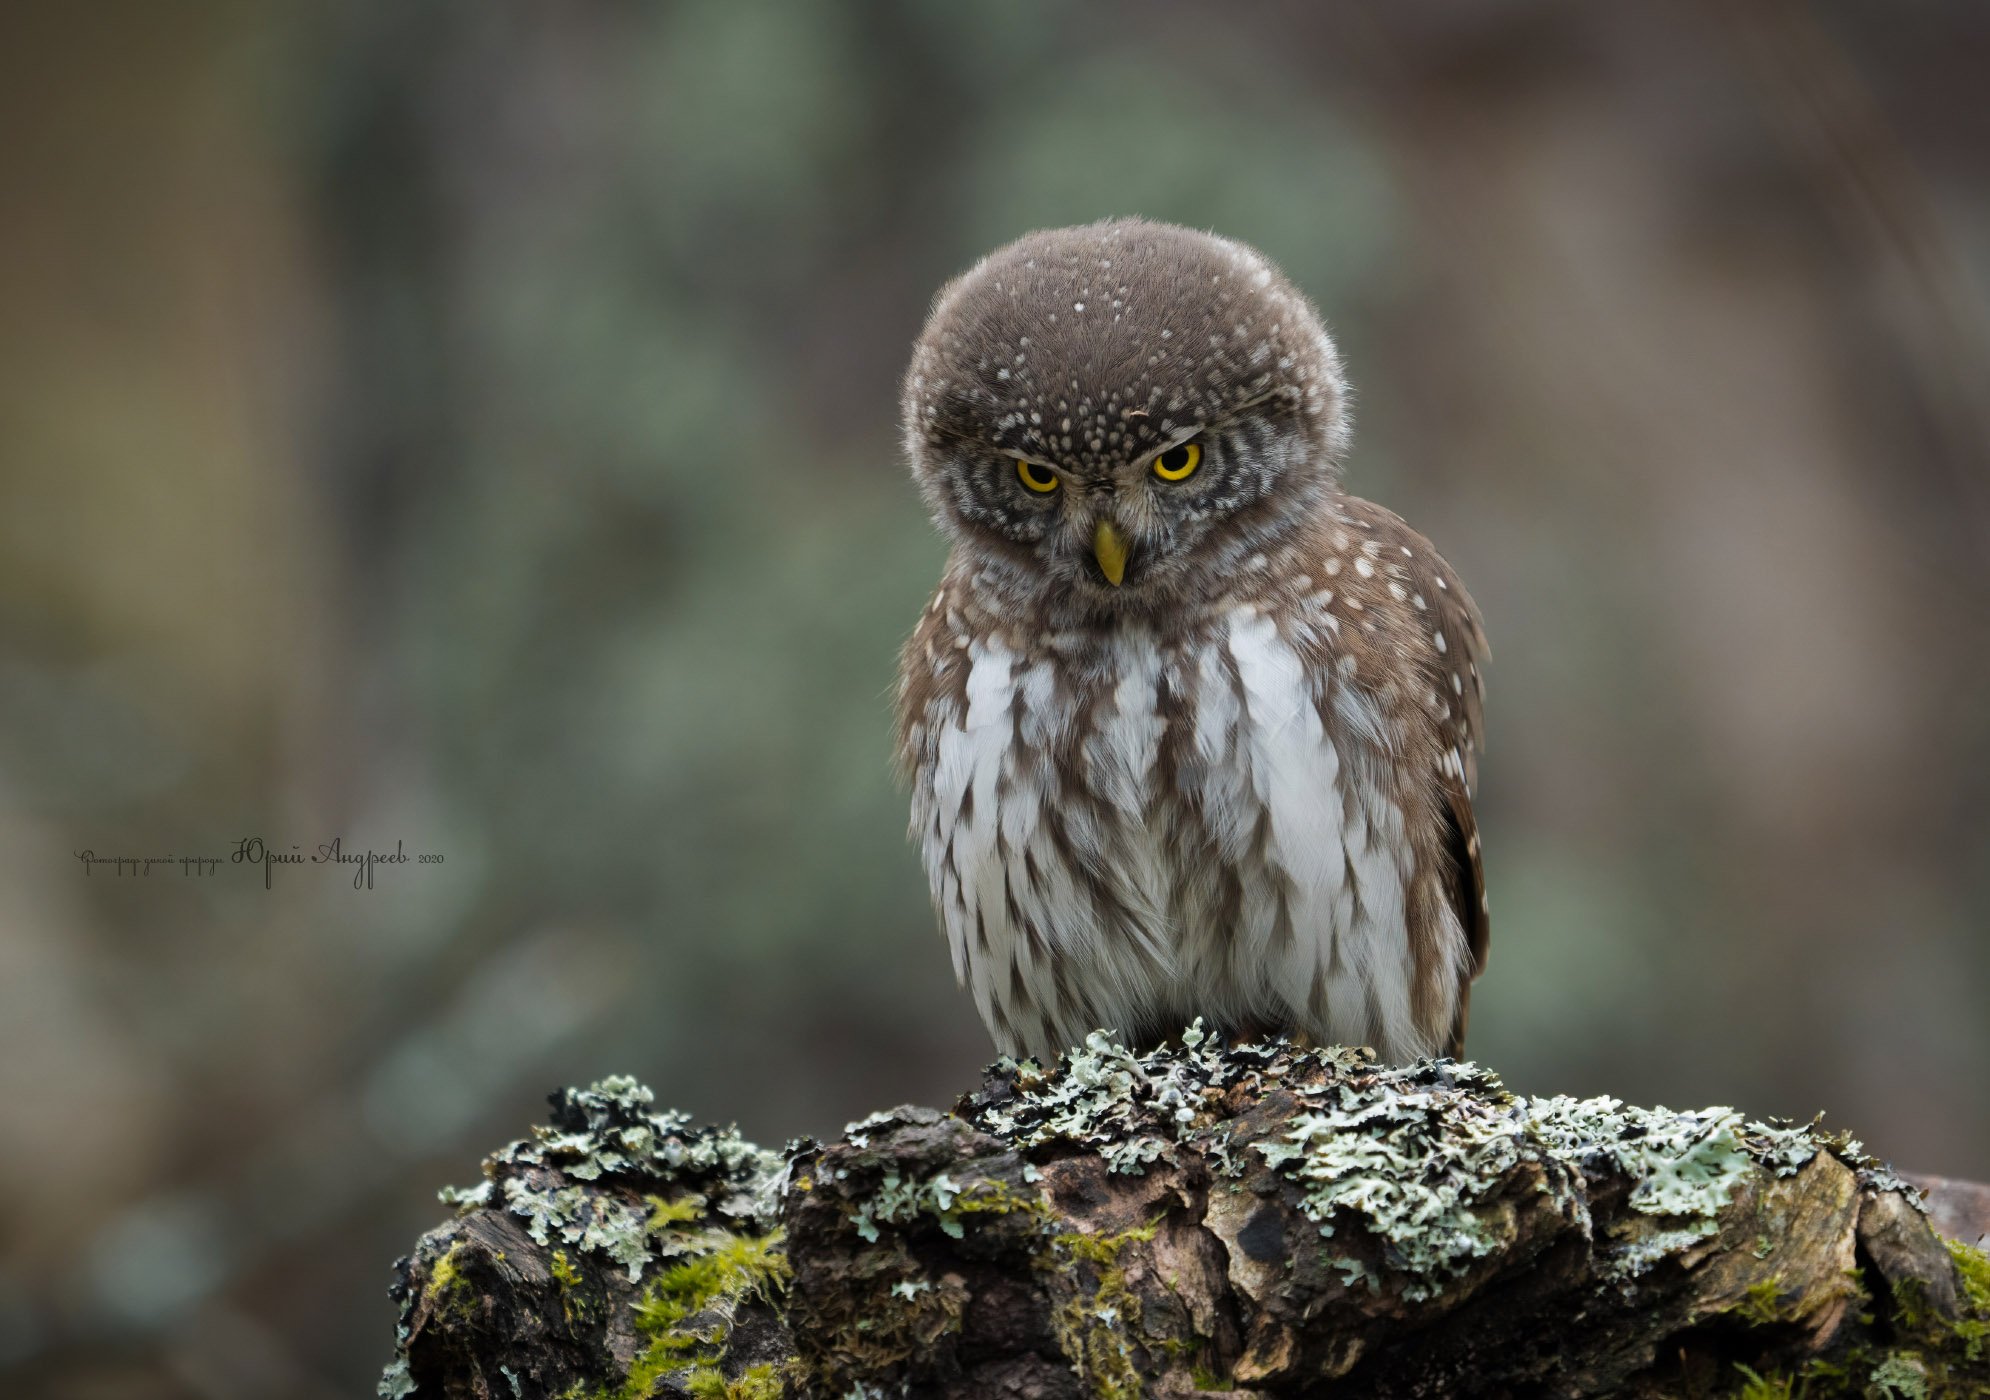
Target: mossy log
[1258,1220]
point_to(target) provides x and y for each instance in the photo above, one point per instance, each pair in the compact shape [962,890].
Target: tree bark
[1261,1220]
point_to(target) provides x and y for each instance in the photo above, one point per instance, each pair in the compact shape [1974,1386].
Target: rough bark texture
[1253,1221]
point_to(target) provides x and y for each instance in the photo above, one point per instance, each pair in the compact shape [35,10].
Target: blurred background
[471,426]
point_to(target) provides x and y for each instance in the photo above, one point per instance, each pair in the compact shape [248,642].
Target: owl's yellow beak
[1109,547]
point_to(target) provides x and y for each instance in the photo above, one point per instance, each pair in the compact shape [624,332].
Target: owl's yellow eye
[1041,480]
[1178,461]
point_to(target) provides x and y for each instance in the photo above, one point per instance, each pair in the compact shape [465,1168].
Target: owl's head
[1115,417]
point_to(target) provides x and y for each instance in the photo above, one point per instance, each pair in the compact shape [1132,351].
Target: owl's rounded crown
[1096,345]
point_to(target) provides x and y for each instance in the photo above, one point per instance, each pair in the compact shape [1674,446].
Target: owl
[1189,731]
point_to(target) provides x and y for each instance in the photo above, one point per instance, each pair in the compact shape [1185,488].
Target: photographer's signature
[254,851]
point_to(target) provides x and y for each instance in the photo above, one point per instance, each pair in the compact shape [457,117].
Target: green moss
[664,1214]
[448,1292]
[1189,1352]
[1814,1380]
[705,1383]
[1930,1356]
[686,1311]
[1835,1378]
[889,1316]
[1974,1266]
[1946,1346]
[1761,1305]
[758,1383]
[1758,1387]
[1104,1249]
[755,1383]
[1972,1327]
[997,1197]
[574,1303]
[1097,1326]
[1859,1374]
[744,1265]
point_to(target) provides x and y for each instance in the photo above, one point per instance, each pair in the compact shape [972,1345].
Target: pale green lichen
[1416,1162]
[1684,1168]
[1781,1146]
[1411,1163]
[1132,1109]
[900,1200]
[1872,1173]
[1901,1376]
[696,1208]
[1634,1246]
[395,1382]
[1218,1145]
[608,1132]
[895,1194]
[464,1199]
[1095,1100]
[1683,1164]
[1412,1154]
[588,1220]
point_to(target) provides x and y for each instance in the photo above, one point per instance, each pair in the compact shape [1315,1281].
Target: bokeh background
[471,426]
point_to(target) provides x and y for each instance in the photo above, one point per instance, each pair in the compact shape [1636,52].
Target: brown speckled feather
[1456,674]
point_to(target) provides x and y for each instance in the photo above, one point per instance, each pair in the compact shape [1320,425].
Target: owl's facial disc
[1161,526]
[1113,419]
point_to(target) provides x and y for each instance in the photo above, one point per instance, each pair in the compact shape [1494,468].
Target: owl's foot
[1266,1032]
[1252,1032]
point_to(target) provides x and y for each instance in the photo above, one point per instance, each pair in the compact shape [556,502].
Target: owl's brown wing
[1452,656]
[1469,899]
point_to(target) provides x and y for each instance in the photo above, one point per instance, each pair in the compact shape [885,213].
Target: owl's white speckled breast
[1127,834]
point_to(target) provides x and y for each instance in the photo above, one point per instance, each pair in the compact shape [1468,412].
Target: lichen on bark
[1257,1220]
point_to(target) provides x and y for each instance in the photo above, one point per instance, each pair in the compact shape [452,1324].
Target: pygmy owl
[1190,731]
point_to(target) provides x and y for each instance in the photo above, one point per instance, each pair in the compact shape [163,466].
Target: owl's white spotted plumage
[1190,731]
